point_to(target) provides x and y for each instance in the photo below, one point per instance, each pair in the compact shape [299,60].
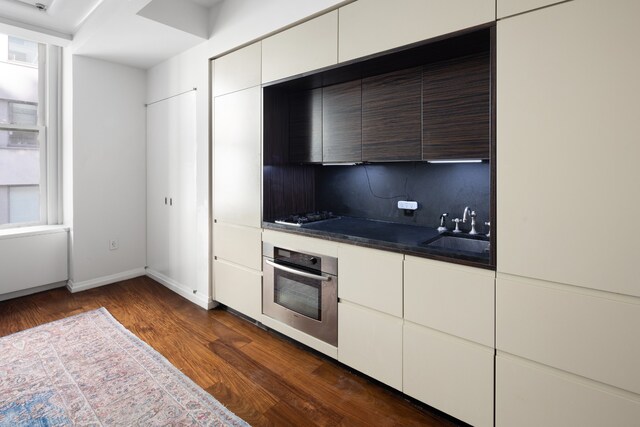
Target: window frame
[49,90]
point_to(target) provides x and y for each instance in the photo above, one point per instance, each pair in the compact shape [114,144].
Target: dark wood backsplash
[287,187]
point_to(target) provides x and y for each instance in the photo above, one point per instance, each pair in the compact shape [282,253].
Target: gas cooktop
[299,220]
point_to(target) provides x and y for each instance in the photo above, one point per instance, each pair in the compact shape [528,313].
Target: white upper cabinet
[372,26]
[237,70]
[513,7]
[237,171]
[567,145]
[305,47]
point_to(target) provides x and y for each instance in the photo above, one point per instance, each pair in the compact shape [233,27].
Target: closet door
[171,190]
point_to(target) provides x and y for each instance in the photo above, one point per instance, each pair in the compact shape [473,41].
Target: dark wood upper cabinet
[342,122]
[305,126]
[392,116]
[456,108]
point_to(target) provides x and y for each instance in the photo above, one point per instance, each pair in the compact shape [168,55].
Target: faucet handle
[488,224]
[457,221]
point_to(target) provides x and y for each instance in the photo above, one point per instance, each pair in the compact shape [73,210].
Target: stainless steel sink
[455,242]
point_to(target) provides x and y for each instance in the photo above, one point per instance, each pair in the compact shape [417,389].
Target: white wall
[109,178]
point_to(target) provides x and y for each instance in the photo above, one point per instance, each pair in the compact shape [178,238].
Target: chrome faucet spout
[471,214]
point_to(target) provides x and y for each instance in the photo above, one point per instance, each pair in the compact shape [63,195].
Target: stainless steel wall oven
[301,290]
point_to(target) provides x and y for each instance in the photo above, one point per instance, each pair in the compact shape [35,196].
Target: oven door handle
[297,272]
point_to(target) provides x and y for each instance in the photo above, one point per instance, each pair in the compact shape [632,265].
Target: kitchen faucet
[472,214]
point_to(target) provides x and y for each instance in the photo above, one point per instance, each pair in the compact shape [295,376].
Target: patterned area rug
[89,370]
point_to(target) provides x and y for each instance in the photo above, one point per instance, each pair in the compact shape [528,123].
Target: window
[28,166]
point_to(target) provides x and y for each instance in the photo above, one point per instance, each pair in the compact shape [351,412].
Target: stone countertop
[404,238]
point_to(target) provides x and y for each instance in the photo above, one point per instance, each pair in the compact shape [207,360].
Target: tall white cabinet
[171,192]
[237,172]
[567,295]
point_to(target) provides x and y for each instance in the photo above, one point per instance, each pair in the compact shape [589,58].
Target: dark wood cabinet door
[456,108]
[342,122]
[305,126]
[392,116]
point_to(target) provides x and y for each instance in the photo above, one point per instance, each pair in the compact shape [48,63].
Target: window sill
[17,232]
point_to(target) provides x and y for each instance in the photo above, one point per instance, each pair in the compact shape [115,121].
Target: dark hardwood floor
[262,377]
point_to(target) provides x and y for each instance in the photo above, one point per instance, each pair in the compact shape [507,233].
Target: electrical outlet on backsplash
[373,191]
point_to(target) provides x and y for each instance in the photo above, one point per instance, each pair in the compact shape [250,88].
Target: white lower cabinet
[371,342]
[530,394]
[238,287]
[449,373]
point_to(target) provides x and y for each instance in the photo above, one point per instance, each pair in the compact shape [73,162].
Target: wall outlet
[407,205]
[113,244]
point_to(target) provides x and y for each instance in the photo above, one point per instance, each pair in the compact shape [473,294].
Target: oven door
[305,301]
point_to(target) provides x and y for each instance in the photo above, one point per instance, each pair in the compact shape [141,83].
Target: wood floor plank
[263,378]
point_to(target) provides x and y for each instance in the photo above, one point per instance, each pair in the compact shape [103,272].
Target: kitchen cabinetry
[237,167]
[448,338]
[448,373]
[305,47]
[237,163]
[513,7]
[305,126]
[454,299]
[238,287]
[372,26]
[237,70]
[567,111]
[457,108]
[371,278]
[171,191]
[392,116]
[565,126]
[591,334]
[530,395]
[370,312]
[371,342]
[342,122]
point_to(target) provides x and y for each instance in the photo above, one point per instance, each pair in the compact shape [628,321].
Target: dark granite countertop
[404,238]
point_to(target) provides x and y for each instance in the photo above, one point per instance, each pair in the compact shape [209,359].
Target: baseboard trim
[181,290]
[24,292]
[105,280]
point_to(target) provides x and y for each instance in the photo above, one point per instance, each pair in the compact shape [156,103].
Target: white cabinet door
[451,298]
[448,373]
[567,132]
[237,70]
[238,244]
[237,163]
[371,342]
[238,287]
[531,395]
[587,333]
[513,7]
[305,47]
[371,278]
[372,26]
[171,189]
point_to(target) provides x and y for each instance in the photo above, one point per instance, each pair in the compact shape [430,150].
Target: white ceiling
[114,30]
[62,16]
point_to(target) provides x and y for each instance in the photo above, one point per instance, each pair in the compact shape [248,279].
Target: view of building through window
[20,135]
